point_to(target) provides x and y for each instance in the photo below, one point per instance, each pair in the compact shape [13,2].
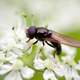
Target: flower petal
[70,73]
[11,56]
[17,52]
[59,70]
[2,57]
[27,72]
[5,68]
[68,50]
[49,75]
[77,78]
[14,75]
[77,66]
[38,63]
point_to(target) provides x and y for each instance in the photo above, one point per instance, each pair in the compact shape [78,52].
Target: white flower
[70,55]
[52,66]
[2,57]
[14,75]
[7,43]
[77,66]
[9,56]
[69,50]
[16,71]
[5,68]
[12,47]
[27,72]
[49,75]
[70,73]
[38,62]
[68,59]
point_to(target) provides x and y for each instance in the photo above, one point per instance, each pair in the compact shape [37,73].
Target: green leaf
[38,76]
[28,58]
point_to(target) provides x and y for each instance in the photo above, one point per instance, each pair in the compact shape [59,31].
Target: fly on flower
[52,38]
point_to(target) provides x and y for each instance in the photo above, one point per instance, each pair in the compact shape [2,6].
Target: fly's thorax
[42,34]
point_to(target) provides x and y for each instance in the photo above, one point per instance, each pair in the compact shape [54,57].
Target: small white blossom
[49,75]
[38,63]
[14,75]
[9,56]
[70,73]
[5,68]
[69,50]
[12,47]
[77,66]
[16,71]
[68,59]
[2,57]
[52,66]
[27,72]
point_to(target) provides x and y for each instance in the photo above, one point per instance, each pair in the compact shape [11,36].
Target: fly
[51,38]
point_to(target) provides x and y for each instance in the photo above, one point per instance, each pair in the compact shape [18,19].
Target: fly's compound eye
[31,32]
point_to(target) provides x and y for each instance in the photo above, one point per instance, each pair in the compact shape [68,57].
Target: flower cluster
[55,68]
[13,66]
[12,47]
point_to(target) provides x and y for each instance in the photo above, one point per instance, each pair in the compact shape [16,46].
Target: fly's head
[30,32]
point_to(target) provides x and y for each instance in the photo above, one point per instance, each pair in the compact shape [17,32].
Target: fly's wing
[64,39]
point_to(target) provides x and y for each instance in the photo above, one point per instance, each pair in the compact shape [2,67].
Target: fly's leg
[32,43]
[42,47]
[50,44]
[28,40]
[35,42]
[57,47]
[43,43]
